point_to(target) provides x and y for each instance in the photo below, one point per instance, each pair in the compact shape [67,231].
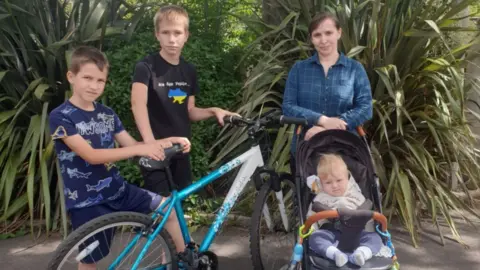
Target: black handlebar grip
[293,120]
[231,119]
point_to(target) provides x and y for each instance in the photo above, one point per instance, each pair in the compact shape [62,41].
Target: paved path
[232,248]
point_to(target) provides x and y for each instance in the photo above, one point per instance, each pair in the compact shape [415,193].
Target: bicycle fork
[275,183]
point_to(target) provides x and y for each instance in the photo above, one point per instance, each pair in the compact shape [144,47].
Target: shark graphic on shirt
[89,201]
[178,95]
[77,174]
[109,165]
[68,110]
[64,155]
[105,138]
[104,183]
[71,195]
[60,132]
[118,194]
[105,117]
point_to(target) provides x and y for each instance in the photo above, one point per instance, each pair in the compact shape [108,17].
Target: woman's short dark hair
[319,18]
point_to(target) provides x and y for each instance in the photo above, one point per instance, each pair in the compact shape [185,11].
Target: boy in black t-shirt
[163,96]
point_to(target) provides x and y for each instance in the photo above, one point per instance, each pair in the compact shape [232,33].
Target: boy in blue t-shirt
[84,132]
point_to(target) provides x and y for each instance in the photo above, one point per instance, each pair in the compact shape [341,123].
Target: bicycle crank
[207,261]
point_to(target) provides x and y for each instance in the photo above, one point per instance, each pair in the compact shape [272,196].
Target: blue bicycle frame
[249,160]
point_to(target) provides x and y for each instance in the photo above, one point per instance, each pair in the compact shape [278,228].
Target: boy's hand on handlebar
[332,123]
[152,150]
[183,141]
[220,114]
[165,143]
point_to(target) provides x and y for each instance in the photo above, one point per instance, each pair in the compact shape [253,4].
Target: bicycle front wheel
[114,241]
[274,221]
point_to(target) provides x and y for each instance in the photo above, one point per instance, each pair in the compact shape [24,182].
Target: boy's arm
[125,140]
[140,112]
[100,156]
[198,114]
[63,128]
[139,99]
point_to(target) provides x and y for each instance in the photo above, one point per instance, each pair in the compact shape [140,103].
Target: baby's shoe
[360,255]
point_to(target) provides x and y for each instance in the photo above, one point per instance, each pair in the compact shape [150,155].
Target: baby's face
[335,184]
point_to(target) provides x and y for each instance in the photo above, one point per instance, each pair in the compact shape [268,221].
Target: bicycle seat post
[171,184]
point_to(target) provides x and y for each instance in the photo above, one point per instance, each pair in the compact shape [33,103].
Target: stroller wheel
[275,220]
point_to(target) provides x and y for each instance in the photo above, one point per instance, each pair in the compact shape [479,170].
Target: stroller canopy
[353,150]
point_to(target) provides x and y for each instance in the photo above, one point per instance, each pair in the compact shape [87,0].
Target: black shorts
[135,199]
[156,181]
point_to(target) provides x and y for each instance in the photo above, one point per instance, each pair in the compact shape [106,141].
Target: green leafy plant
[419,129]
[36,39]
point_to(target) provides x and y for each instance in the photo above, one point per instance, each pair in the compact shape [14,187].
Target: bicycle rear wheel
[272,234]
[94,242]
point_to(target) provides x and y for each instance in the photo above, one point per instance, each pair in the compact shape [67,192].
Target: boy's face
[88,84]
[335,184]
[172,35]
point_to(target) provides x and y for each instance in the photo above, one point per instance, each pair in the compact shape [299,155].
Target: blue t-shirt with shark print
[86,184]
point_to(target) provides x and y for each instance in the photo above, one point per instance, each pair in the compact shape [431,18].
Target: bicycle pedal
[208,261]
[188,259]
[193,246]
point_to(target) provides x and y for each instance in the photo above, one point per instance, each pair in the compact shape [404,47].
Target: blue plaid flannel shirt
[344,93]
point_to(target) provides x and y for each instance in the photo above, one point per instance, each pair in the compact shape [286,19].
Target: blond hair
[170,13]
[330,164]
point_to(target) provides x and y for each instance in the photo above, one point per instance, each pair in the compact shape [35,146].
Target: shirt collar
[342,60]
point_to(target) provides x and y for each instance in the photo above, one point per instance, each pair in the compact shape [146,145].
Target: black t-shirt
[169,87]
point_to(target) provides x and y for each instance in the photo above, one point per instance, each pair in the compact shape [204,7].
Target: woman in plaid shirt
[329,89]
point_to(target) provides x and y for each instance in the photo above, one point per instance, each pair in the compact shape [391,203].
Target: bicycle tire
[118,217]
[260,200]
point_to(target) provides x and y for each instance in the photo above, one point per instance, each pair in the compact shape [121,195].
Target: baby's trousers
[320,240]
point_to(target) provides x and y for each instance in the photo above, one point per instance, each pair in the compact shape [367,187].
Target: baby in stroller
[336,188]
[339,206]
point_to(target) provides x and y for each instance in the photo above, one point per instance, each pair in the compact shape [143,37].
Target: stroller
[356,154]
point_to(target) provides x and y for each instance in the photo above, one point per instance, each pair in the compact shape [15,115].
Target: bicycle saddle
[153,165]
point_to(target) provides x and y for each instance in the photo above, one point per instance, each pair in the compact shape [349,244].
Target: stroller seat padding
[375,263]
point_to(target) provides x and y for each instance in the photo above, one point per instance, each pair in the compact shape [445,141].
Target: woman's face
[325,38]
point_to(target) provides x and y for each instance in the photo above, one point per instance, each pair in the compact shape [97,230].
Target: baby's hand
[313,183]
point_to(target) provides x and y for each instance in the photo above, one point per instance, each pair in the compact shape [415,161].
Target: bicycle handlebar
[276,120]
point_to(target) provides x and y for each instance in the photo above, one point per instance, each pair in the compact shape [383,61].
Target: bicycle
[150,228]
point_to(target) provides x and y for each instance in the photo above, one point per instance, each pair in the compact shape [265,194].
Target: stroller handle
[334,214]
[361,131]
